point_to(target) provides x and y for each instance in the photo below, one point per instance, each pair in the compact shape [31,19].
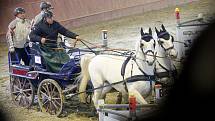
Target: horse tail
[84,77]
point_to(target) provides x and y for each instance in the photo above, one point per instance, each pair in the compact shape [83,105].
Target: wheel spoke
[53,89]
[20,100]
[45,102]
[14,92]
[55,106]
[47,87]
[47,108]
[44,88]
[57,102]
[25,95]
[24,101]
[50,111]
[20,83]
[16,87]
[26,90]
[24,83]
[27,100]
[17,96]
[56,98]
[28,93]
[44,93]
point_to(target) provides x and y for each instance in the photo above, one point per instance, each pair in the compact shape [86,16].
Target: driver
[46,33]
[18,31]
[48,29]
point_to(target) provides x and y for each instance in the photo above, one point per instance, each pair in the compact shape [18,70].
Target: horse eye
[160,42]
[141,45]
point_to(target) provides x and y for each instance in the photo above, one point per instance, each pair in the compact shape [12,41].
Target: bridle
[161,43]
[147,38]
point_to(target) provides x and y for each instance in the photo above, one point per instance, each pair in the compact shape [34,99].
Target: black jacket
[49,31]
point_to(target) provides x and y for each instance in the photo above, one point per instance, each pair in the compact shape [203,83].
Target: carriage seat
[50,61]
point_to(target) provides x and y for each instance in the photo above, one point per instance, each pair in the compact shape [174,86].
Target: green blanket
[54,59]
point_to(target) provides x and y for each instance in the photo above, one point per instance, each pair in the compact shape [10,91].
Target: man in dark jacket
[48,29]
[46,33]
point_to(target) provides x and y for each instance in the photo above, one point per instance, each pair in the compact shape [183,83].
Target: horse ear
[141,31]
[150,31]
[156,30]
[162,26]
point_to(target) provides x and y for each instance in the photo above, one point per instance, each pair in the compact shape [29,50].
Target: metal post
[104,38]
[101,114]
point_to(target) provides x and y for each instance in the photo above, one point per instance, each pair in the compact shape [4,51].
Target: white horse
[106,69]
[165,53]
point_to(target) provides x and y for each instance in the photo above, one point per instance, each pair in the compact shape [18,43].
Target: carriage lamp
[177,15]
[104,38]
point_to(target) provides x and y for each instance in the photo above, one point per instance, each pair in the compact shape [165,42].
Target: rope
[180,42]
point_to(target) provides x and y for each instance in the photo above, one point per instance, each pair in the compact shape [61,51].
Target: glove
[77,38]
[11,49]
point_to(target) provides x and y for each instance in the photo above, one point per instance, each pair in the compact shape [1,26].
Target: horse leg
[105,91]
[96,97]
[97,82]
[125,97]
[119,98]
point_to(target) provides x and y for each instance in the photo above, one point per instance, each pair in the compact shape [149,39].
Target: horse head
[146,47]
[165,40]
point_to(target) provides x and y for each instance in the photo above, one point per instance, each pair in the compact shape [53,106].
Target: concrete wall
[74,13]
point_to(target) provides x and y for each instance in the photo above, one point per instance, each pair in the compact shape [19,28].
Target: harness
[167,73]
[144,77]
[162,74]
[160,36]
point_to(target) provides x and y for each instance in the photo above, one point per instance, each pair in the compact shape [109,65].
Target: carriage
[35,82]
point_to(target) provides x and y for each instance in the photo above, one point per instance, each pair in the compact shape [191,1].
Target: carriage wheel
[22,91]
[50,97]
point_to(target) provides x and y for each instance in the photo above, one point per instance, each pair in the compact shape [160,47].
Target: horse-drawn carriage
[36,82]
[135,73]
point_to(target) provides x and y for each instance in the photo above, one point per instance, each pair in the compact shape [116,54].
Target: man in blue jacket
[46,33]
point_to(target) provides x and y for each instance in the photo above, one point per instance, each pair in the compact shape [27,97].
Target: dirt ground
[120,32]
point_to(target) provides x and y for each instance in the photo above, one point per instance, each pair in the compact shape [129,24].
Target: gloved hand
[77,38]
[43,40]
[11,49]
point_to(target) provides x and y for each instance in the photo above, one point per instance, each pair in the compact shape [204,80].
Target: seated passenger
[46,33]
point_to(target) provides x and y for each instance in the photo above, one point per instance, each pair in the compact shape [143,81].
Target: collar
[19,19]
